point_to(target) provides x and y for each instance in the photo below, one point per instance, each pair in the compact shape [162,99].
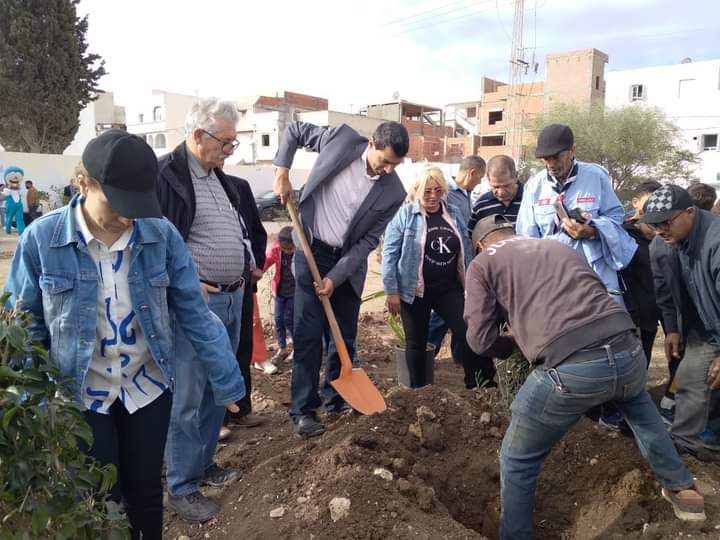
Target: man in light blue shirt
[573,202]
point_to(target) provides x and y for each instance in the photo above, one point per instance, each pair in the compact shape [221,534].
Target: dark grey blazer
[338,147]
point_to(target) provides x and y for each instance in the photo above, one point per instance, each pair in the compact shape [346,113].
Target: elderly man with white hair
[204,205]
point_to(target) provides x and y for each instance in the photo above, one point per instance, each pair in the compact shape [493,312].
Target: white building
[98,116]
[689,94]
[160,119]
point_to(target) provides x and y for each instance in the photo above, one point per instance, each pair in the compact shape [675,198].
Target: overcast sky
[356,52]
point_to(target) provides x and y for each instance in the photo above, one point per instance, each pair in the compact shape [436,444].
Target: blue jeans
[436,335]
[552,400]
[309,325]
[283,319]
[196,420]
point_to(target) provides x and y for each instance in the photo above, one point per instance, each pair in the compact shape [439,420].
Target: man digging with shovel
[351,194]
[585,351]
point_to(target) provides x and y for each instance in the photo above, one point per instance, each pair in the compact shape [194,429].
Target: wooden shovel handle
[345,363]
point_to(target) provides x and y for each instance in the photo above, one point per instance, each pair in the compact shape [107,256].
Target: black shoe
[337,409]
[216,476]
[309,426]
[194,507]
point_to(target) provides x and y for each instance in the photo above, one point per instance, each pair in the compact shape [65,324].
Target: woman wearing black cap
[98,277]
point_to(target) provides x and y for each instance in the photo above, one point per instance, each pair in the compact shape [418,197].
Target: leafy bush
[48,487]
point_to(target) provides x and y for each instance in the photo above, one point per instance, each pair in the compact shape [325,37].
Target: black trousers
[648,339]
[135,444]
[245,349]
[450,305]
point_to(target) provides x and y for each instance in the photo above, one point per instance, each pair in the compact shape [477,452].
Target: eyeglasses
[227,146]
[665,225]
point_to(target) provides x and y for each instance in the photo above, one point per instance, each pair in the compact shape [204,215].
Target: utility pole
[518,67]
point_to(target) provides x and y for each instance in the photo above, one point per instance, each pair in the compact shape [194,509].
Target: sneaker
[194,507]
[248,420]
[710,440]
[217,476]
[267,367]
[309,426]
[668,416]
[224,433]
[611,421]
[279,356]
[688,504]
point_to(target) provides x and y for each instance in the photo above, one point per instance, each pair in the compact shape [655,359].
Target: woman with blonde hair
[425,253]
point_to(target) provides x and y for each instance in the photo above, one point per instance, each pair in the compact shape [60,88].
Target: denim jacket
[53,277]
[404,250]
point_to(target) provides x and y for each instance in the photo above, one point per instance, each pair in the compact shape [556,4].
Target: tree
[46,74]
[633,143]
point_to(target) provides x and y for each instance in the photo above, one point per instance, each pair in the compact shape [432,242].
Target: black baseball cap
[664,203]
[488,225]
[127,170]
[554,139]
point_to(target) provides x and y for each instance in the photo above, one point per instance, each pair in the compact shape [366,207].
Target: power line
[445,21]
[440,16]
[422,13]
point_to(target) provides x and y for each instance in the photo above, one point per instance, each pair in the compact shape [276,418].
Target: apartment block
[689,95]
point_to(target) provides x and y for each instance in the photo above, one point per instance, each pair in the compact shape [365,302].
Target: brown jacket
[555,303]
[33,197]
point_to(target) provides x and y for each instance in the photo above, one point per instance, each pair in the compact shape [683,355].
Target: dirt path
[441,451]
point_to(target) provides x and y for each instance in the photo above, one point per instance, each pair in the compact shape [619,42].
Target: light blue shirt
[460,198]
[588,189]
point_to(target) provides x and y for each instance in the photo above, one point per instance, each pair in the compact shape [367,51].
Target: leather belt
[619,342]
[231,288]
[322,247]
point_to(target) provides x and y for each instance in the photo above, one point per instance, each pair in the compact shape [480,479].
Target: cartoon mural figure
[13,199]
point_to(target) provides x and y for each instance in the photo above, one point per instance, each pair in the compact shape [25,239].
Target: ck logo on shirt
[440,244]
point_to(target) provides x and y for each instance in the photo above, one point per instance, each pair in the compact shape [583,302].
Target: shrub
[48,487]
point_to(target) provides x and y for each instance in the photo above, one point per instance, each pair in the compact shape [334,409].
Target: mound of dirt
[428,468]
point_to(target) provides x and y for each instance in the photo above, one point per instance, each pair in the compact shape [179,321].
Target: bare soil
[442,455]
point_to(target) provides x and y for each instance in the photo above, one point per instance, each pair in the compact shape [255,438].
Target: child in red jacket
[280,255]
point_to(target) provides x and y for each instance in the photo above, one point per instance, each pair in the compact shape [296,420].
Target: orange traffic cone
[259,351]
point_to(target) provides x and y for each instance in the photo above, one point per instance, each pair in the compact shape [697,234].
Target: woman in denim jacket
[425,252]
[99,277]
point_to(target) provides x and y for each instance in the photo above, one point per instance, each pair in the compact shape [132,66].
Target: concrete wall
[47,171]
[570,77]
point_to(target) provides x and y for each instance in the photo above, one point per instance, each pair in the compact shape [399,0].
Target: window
[494,117]
[637,92]
[687,88]
[597,82]
[140,117]
[709,142]
[157,114]
[266,140]
[149,139]
[492,140]
[471,112]
[242,113]
[160,140]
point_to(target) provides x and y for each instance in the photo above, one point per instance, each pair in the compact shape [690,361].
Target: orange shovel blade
[358,390]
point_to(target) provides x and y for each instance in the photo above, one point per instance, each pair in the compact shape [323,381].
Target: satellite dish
[396,95]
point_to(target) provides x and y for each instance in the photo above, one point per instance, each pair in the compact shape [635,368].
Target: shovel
[353,384]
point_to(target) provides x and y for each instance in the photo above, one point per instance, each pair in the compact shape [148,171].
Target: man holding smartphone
[573,202]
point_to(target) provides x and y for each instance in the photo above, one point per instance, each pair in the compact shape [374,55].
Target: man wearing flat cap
[574,202]
[100,277]
[691,313]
